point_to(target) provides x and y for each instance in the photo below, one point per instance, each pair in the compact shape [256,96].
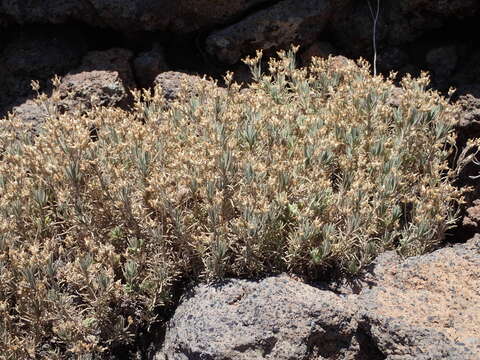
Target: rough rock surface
[147,65]
[470,117]
[100,88]
[245,24]
[406,19]
[103,79]
[471,220]
[425,307]
[36,55]
[87,87]
[276,318]
[30,112]
[171,82]
[113,60]
[43,38]
[178,16]
[469,128]
[280,25]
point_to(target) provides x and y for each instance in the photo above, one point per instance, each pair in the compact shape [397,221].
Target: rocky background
[422,308]
[41,38]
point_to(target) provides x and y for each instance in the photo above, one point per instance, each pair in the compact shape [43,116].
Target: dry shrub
[304,171]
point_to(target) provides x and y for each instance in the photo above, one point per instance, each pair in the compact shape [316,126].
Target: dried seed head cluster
[304,171]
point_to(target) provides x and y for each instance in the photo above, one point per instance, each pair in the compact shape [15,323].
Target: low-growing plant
[304,171]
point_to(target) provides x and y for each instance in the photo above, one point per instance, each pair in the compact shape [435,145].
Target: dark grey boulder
[470,115]
[103,79]
[112,60]
[468,128]
[172,83]
[285,23]
[178,16]
[276,318]
[147,65]
[37,54]
[425,307]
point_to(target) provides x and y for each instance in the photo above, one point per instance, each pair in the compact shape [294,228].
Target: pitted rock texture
[87,87]
[31,113]
[276,318]
[468,128]
[28,55]
[401,20]
[470,116]
[217,34]
[424,307]
[114,60]
[278,26]
[148,64]
[172,83]
[103,79]
[472,219]
[234,28]
[178,16]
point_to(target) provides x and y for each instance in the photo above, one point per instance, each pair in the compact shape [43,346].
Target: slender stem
[375,22]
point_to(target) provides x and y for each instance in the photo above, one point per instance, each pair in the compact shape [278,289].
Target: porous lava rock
[276,318]
[31,113]
[177,16]
[171,83]
[471,219]
[278,26]
[148,64]
[114,60]
[469,120]
[86,86]
[424,307]
[468,128]
[103,79]
[36,54]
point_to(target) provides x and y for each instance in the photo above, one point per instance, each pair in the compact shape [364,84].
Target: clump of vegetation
[307,170]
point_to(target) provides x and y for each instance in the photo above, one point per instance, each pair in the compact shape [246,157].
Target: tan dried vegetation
[305,171]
